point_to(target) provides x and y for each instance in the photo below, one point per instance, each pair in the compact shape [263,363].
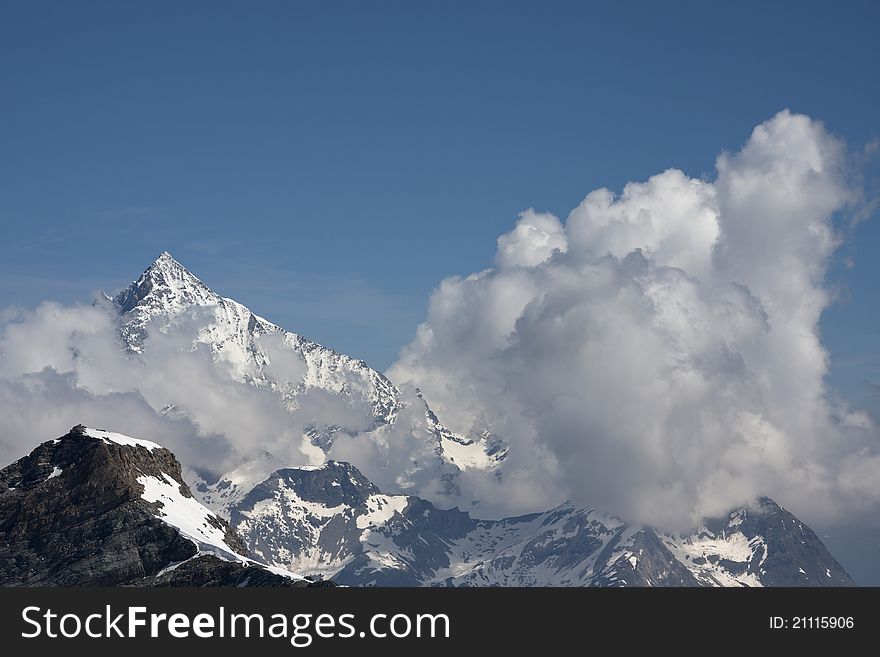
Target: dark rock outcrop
[789,553]
[72,514]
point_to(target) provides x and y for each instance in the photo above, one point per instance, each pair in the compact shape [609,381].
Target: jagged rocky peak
[332,483]
[166,291]
[97,457]
[168,280]
[96,507]
[766,543]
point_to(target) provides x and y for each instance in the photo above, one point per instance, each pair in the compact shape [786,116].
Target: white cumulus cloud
[659,355]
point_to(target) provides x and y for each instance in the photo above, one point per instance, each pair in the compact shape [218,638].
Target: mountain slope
[170,300]
[167,295]
[758,545]
[98,508]
[331,520]
[334,522]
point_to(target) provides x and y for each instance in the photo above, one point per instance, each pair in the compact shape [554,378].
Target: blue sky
[329,163]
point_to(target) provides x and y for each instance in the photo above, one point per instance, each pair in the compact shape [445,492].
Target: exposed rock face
[332,521]
[762,544]
[78,511]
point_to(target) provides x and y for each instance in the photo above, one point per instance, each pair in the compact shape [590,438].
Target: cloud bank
[658,355]
[64,365]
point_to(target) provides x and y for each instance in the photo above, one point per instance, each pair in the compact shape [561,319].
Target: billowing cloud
[659,356]
[536,237]
[65,365]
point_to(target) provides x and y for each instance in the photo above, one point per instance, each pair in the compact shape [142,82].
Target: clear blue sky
[328,163]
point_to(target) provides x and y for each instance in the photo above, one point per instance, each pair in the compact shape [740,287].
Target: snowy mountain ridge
[332,521]
[167,294]
[169,299]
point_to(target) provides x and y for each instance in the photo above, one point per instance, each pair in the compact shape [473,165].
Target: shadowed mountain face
[332,521]
[784,551]
[98,508]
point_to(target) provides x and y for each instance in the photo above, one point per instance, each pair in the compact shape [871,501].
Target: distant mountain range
[97,507]
[332,521]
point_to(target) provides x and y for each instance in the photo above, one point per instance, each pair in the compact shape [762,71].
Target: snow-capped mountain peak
[167,292]
[169,282]
[167,299]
